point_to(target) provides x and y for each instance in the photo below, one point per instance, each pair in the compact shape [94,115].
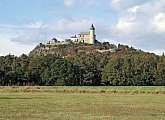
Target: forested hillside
[75,65]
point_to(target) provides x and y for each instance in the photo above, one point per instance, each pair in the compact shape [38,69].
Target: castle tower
[92,35]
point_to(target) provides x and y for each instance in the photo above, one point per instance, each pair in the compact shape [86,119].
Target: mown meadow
[82,103]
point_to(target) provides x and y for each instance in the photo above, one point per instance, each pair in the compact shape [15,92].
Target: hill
[83,64]
[70,49]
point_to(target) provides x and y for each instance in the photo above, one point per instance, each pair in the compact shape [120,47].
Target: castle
[86,37]
[83,37]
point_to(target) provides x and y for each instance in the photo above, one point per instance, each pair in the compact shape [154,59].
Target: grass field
[48,103]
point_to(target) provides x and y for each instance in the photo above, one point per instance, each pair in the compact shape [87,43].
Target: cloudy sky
[26,23]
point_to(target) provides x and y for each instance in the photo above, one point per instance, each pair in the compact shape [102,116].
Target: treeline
[118,69]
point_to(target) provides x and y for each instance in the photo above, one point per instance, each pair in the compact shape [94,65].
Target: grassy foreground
[52,105]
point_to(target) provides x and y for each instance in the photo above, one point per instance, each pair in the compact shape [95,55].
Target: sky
[26,23]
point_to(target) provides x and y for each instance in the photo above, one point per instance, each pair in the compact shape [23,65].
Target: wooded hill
[83,64]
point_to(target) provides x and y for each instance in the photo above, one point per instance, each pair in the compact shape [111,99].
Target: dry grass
[82,90]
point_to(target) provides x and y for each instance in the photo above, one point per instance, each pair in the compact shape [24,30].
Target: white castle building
[88,37]
[83,37]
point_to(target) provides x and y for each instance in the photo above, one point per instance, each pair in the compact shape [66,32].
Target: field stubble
[86,89]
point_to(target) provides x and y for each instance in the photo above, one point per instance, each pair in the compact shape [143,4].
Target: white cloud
[69,3]
[32,25]
[70,26]
[88,3]
[84,3]
[133,9]
[30,38]
[9,47]
[159,22]
[125,24]
[124,4]
[27,33]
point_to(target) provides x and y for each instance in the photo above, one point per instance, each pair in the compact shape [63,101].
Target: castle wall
[84,38]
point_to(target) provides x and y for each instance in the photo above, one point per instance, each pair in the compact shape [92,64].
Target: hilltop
[71,49]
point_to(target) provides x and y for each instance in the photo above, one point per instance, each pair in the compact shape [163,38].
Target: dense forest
[125,67]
